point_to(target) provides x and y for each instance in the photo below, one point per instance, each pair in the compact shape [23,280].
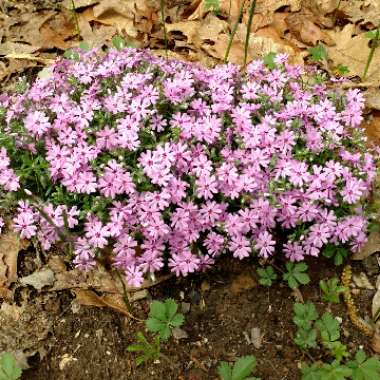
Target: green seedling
[317,53]
[339,254]
[163,317]
[304,315]
[331,290]
[149,350]
[118,43]
[295,275]
[363,368]
[269,61]
[267,275]
[241,370]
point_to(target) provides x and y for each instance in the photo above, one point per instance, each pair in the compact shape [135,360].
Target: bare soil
[91,343]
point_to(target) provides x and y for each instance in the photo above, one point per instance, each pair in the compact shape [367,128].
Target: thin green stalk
[229,11]
[248,34]
[162,7]
[125,293]
[375,45]
[233,31]
[75,18]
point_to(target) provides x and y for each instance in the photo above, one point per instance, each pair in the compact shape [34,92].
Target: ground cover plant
[148,162]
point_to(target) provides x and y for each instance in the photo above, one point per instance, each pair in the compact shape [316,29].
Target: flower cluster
[163,163]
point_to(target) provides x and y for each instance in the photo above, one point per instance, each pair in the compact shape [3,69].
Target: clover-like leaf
[163,317]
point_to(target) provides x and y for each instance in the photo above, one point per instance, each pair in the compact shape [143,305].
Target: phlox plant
[157,163]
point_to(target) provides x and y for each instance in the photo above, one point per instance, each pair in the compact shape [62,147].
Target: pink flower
[24,224]
[240,246]
[265,244]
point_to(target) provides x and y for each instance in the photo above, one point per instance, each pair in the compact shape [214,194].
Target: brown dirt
[225,303]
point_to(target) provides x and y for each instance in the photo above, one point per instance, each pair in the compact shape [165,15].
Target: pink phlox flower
[265,244]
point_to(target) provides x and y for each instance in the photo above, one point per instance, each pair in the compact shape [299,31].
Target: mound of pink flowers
[159,163]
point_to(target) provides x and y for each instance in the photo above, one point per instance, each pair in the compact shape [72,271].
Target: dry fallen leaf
[39,279]
[361,281]
[305,30]
[352,51]
[113,301]
[376,305]
[10,246]
[366,11]
[372,246]
[273,5]
[372,126]
[372,98]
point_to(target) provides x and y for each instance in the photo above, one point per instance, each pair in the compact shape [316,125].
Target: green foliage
[212,5]
[163,317]
[269,61]
[339,254]
[328,327]
[325,371]
[372,35]
[71,54]
[306,319]
[241,370]
[359,369]
[150,351]
[9,369]
[341,69]
[363,368]
[317,53]
[267,275]
[304,315]
[295,275]
[118,43]
[331,290]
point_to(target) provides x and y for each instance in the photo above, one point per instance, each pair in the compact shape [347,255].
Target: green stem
[233,32]
[375,45]
[75,18]
[248,34]
[125,293]
[162,7]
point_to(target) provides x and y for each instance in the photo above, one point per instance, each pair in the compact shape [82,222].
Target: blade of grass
[375,45]
[233,32]
[162,7]
[248,34]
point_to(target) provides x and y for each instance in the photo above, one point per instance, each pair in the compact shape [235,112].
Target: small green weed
[241,370]
[317,53]
[295,274]
[331,290]
[267,275]
[163,317]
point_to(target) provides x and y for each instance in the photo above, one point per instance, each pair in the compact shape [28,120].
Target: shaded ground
[91,343]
